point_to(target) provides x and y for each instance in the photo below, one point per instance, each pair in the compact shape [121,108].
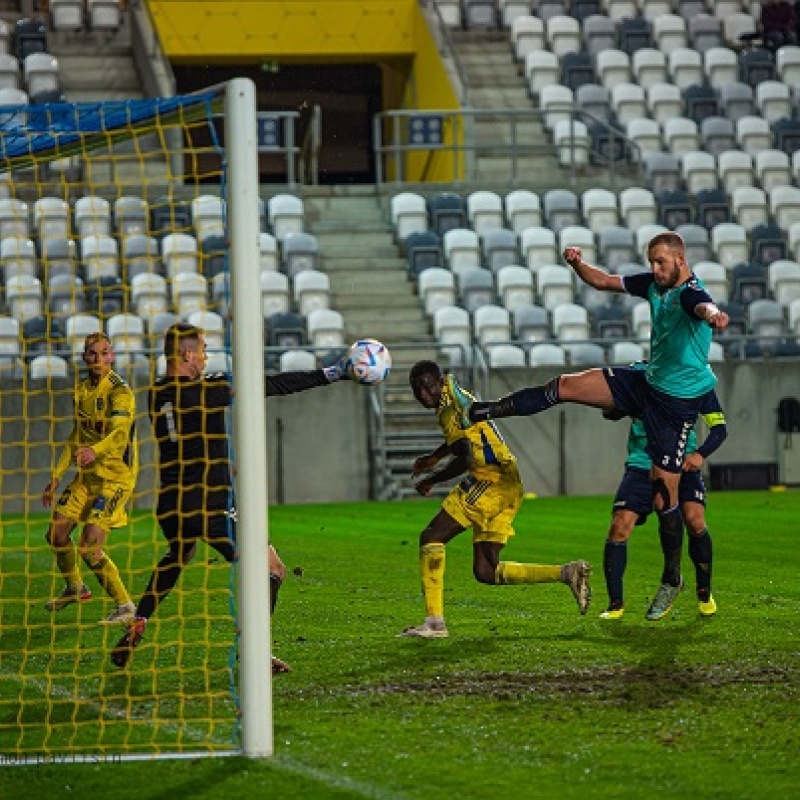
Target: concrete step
[501,97]
[397,304]
[359,263]
[99,73]
[378,283]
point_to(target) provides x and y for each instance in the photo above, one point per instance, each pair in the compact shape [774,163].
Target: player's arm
[592,275]
[300,381]
[120,423]
[698,302]
[458,465]
[714,417]
[429,461]
[64,460]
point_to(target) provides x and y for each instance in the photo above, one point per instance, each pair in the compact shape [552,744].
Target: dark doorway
[349,95]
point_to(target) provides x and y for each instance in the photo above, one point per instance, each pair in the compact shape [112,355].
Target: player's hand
[573,256]
[424,488]
[693,462]
[49,493]
[719,321]
[84,456]
[423,464]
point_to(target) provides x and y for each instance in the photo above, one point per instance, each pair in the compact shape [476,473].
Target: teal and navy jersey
[637,438]
[679,340]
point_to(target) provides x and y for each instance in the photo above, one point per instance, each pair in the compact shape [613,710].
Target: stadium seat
[669,32]
[768,243]
[628,102]
[736,25]
[214,255]
[179,254]
[13,218]
[409,214]
[106,296]
[573,143]
[714,278]
[736,100]
[140,255]
[637,207]
[599,34]
[645,134]
[297,361]
[149,295]
[662,171]
[437,288]
[423,251]
[554,286]
[156,326]
[476,288]
[749,206]
[450,12]
[610,320]
[131,216]
[721,66]
[127,332]
[787,64]
[578,236]
[447,211]
[685,67]
[208,216]
[502,356]
[556,104]
[499,248]
[212,325]
[784,206]
[523,210]
[570,322]
[190,293]
[527,35]
[765,318]
[541,69]
[664,102]
[755,66]
[583,9]
[644,233]
[735,169]
[24,296]
[452,327]
[681,136]
[729,244]
[311,289]
[103,15]
[99,257]
[585,354]
[794,317]
[168,215]
[616,246]
[48,367]
[58,257]
[712,207]
[491,324]
[300,252]
[718,135]
[620,9]
[515,286]
[699,170]
[753,134]
[461,249]
[17,257]
[286,214]
[634,34]
[748,283]
[697,241]
[783,281]
[531,323]
[267,252]
[786,135]
[577,69]
[626,353]
[773,100]
[705,31]
[42,335]
[547,354]
[773,169]
[538,246]
[613,67]
[641,322]
[40,71]
[275,297]
[563,34]
[479,14]
[674,209]
[65,295]
[51,218]
[76,329]
[561,208]
[92,216]
[287,330]
[30,36]
[599,208]
[700,103]
[66,15]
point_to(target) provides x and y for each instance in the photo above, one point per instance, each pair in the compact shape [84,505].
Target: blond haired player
[102,446]
[487,500]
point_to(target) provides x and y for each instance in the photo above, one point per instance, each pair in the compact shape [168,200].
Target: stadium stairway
[371,289]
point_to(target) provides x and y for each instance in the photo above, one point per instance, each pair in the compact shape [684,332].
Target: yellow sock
[67,561]
[511,572]
[431,566]
[108,576]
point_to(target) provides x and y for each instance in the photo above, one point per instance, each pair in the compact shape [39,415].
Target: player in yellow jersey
[487,500]
[102,446]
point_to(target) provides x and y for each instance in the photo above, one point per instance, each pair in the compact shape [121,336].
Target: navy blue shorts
[635,492]
[667,419]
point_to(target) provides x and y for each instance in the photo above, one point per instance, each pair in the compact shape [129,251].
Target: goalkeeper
[103,447]
[187,409]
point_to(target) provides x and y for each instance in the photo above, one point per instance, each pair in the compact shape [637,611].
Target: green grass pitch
[525,699]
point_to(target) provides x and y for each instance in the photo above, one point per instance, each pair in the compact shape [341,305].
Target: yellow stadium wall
[393,33]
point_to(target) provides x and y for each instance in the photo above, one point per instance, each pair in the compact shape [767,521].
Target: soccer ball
[368,361]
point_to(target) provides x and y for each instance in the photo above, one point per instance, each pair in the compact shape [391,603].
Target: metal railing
[308,166]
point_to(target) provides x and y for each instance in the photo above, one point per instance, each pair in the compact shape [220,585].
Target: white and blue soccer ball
[368,361]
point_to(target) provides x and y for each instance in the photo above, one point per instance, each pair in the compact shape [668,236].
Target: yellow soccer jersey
[105,421]
[490,454]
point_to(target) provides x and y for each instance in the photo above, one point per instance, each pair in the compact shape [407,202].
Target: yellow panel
[263,29]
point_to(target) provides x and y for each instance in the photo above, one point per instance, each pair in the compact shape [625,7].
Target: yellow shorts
[96,502]
[488,507]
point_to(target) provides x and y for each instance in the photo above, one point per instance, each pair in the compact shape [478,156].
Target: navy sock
[615,559]
[700,551]
[670,529]
[522,403]
[274,584]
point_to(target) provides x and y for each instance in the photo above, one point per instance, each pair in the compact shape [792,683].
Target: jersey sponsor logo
[620,504]
[99,503]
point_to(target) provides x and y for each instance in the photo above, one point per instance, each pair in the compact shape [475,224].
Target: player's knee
[92,555]
[694,520]
[428,536]
[484,573]
[276,566]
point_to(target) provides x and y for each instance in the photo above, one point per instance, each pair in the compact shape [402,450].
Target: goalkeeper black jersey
[188,417]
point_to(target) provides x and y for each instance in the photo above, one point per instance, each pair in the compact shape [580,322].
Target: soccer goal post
[125,217]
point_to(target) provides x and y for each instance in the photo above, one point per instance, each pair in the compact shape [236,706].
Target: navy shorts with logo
[635,492]
[667,419]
